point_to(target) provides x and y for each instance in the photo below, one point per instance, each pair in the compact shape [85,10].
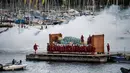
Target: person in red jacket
[89,40]
[35,47]
[82,39]
[108,48]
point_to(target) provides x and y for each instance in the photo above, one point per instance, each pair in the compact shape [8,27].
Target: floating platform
[98,58]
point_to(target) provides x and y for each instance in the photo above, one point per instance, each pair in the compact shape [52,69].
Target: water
[61,67]
[112,22]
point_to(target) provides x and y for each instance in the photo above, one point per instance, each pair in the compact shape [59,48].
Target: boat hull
[124,70]
[14,67]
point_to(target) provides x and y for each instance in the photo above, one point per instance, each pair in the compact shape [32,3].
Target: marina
[64,36]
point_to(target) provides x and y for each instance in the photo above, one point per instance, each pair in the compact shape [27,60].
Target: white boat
[11,67]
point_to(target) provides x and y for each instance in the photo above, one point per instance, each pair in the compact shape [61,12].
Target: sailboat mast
[29,13]
[69,5]
[116,2]
[83,6]
[93,6]
[123,3]
[88,5]
[13,6]
[1,11]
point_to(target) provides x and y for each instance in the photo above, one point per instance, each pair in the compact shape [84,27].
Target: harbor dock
[98,58]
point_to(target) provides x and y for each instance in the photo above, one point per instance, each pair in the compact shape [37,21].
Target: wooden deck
[69,57]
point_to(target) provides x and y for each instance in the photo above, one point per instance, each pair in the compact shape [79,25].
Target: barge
[92,52]
[98,58]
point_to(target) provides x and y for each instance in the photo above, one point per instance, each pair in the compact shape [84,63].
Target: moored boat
[120,59]
[124,70]
[11,66]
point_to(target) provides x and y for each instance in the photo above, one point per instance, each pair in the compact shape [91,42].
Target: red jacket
[35,47]
[82,38]
[108,47]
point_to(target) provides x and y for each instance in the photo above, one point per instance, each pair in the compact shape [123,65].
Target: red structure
[70,49]
[95,45]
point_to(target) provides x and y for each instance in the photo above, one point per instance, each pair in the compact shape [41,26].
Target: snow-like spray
[112,22]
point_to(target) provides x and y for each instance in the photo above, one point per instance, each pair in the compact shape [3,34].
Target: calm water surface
[60,67]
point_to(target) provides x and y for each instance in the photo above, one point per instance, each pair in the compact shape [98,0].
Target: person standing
[89,40]
[108,48]
[35,47]
[82,39]
[13,61]
[20,62]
